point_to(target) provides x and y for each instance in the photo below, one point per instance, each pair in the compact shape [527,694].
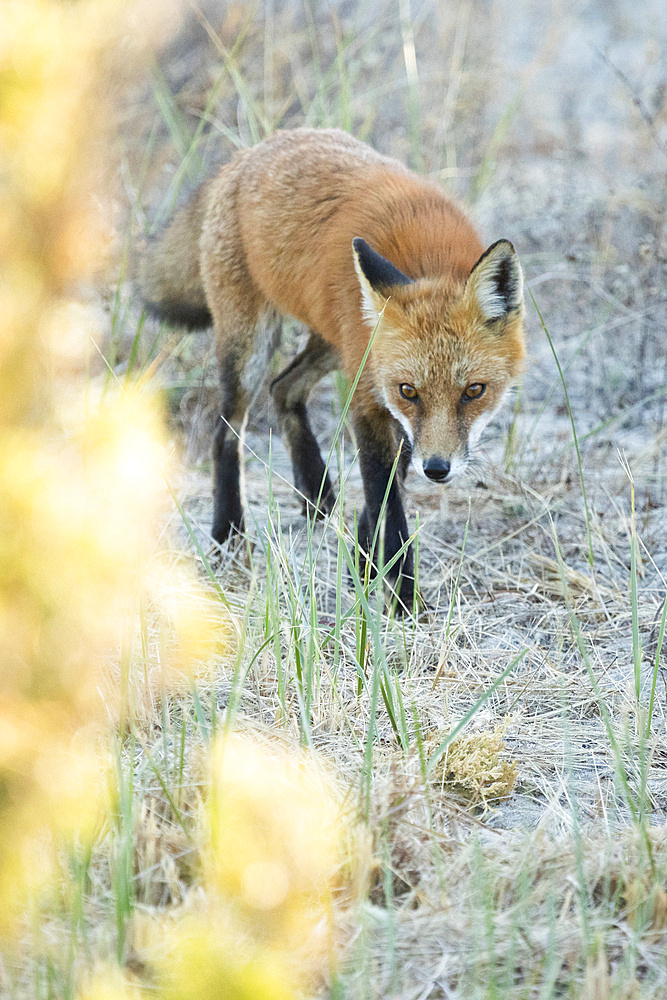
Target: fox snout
[437,468]
[441,460]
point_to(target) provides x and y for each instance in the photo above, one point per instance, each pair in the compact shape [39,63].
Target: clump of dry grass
[476,766]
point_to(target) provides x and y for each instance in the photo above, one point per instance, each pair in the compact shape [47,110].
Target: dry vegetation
[500,770]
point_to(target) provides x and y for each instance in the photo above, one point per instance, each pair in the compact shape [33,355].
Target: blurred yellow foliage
[81,488]
[109,984]
[273,838]
[81,467]
[203,628]
[47,236]
[206,963]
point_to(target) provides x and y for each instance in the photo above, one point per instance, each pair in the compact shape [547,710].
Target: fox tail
[169,270]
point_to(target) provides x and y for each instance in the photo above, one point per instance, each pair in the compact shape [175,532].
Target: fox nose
[437,469]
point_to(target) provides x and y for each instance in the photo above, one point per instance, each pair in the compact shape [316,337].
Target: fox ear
[376,276]
[496,281]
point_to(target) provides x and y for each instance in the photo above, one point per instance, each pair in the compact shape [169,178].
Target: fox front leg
[382,478]
[290,391]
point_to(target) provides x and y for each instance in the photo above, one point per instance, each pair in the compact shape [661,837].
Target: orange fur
[278,234]
[298,200]
[272,234]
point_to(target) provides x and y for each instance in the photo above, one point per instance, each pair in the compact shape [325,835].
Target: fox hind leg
[246,331]
[290,391]
[227,510]
[244,369]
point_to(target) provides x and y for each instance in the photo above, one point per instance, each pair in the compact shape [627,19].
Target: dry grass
[539,873]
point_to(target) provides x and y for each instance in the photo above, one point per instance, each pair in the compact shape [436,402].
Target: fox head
[444,351]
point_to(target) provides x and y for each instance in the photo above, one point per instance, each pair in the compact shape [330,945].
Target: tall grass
[575,440]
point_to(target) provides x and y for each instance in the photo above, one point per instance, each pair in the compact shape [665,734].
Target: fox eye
[473,392]
[408,391]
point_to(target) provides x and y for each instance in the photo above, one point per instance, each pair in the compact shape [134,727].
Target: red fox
[313,224]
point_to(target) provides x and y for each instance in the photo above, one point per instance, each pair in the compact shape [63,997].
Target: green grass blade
[574,430]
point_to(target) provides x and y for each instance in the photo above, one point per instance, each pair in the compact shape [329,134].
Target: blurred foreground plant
[272,841]
[82,469]
[81,479]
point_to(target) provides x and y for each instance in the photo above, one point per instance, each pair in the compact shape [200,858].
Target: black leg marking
[290,391]
[310,477]
[377,453]
[227,510]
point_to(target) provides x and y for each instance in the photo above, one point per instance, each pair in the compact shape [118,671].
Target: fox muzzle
[436,468]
